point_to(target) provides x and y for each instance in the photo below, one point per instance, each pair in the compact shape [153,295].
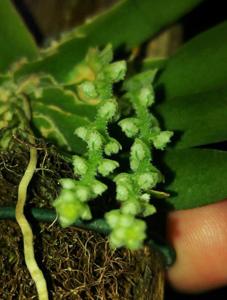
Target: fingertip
[199,237]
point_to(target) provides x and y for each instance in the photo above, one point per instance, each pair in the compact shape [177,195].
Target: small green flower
[82,192]
[126,230]
[162,139]
[116,71]
[129,126]
[146,96]
[147,180]
[112,147]
[137,154]
[94,140]
[67,183]
[88,89]
[107,166]
[98,188]
[108,109]
[80,165]
[81,132]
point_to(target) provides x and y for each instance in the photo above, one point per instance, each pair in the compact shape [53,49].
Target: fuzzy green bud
[107,166]
[149,210]
[67,183]
[126,230]
[147,180]
[123,178]
[112,147]
[145,197]
[94,140]
[68,208]
[131,207]
[116,71]
[162,139]
[108,109]
[81,132]
[146,96]
[79,165]
[88,89]
[122,192]
[86,213]
[98,188]
[138,153]
[82,192]
[129,126]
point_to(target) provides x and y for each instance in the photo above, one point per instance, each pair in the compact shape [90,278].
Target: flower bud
[145,197]
[86,213]
[81,132]
[138,153]
[162,139]
[67,183]
[98,188]
[146,96]
[116,71]
[112,147]
[122,192]
[108,109]
[94,140]
[80,165]
[82,192]
[129,126]
[112,217]
[147,180]
[68,208]
[107,166]
[88,89]
[130,207]
[149,210]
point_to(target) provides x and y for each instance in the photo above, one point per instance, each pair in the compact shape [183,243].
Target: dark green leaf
[58,126]
[199,66]
[193,86]
[196,177]
[197,119]
[128,23]
[15,40]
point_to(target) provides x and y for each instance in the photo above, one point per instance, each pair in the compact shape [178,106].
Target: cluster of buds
[94,79]
[72,203]
[134,188]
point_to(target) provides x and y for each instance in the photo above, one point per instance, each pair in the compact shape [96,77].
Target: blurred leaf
[154,63]
[199,66]
[199,178]
[193,88]
[128,23]
[197,119]
[58,126]
[65,100]
[15,40]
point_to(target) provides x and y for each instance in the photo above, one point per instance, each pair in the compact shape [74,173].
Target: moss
[78,264]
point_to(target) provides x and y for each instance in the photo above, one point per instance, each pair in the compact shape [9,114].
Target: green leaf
[196,177]
[193,84]
[197,119]
[66,100]
[199,66]
[128,23]
[15,40]
[58,126]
